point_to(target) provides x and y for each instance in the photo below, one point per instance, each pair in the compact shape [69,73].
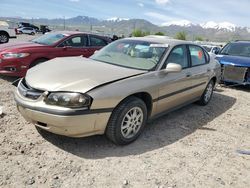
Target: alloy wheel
[132,122]
[209,92]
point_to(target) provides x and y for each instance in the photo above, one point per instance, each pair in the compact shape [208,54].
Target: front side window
[179,56]
[197,55]
[133,54]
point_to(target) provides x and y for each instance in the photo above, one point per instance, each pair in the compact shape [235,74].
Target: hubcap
[3,38]
[132,122]
[209,92]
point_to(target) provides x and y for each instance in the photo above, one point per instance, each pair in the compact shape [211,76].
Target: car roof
[161,40]
[68,33]
[242,41]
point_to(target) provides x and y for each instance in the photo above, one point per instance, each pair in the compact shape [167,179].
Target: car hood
[76,74]
[14,46]
[234,60]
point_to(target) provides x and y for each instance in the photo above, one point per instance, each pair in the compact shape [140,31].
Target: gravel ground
[192,147]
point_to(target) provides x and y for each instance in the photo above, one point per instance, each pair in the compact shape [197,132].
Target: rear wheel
[4,38]
[127,121]
[208,93]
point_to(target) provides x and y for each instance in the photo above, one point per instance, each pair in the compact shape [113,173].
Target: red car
[17,58]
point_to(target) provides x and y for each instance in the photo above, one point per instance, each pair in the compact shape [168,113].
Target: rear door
[96,43]
[200,69]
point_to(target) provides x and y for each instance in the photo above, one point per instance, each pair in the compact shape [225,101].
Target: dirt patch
[192,147]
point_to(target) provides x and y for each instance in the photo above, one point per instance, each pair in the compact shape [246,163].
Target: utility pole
[63,22]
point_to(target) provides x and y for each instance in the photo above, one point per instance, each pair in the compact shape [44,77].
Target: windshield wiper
[223,53]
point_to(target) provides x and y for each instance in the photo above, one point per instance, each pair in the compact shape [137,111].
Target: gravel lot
[192,147]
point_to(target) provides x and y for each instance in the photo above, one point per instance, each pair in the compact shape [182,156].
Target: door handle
[208,70]
[188,74]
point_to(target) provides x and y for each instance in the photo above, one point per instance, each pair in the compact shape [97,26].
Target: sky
[155,11]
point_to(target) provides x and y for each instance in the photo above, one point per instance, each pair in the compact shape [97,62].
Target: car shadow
[238,87]
[9,78]
[157,134]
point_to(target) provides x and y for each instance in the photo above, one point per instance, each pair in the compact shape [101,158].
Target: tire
[4,38]
[207,94]
[32,33]
[122,130]
[37,62]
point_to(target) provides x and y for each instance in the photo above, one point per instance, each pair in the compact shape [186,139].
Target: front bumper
[14,67]
[235,74]
[67,123]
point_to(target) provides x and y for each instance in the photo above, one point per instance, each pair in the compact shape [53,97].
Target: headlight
[14,55]
[70,100]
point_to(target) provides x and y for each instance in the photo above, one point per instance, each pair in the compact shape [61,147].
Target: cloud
[162,2]
[140,4]
[158,16]
[74,0]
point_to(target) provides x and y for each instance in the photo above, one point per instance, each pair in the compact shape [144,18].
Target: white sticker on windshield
[159,45]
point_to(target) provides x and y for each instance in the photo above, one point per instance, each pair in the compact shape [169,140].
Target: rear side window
[95,41]
[77,42]
[179,56]
[198,56]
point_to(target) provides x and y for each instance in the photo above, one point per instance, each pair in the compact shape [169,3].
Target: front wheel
[4,38]
[207,94]
[127,121]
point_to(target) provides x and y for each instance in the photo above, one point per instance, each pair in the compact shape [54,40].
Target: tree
[160,33]
[181,35]
[199,38]
[140,33]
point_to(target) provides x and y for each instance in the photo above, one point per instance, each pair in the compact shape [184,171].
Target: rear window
[197,55]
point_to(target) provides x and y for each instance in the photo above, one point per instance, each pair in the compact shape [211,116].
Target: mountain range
[210,31]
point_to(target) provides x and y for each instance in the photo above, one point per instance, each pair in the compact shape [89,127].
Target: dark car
[17,58]
[235,62]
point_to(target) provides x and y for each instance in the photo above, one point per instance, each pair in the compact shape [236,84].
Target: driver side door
[175,88]
[75,46]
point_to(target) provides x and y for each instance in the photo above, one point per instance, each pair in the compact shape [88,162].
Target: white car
[6,32]
[212,49]
[26,30]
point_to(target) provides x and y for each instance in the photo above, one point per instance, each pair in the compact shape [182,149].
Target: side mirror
[173,67]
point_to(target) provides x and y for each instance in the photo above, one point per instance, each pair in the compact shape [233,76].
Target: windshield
[236,49]
[131,53]
[49,39]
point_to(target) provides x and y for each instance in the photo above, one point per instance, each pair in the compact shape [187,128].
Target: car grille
[234,74]
[26,91]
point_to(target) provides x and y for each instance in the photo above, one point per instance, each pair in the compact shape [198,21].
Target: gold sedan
[118,89]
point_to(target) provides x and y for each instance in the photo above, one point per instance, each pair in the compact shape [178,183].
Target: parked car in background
[25,24]
[17,58]
[235,62]
[118,89]
[212,49]
[26,30]
[44,29]
[6,32]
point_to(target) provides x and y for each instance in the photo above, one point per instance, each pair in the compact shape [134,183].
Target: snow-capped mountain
[225,26]
[116,19]
[182,23]
[219,26]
